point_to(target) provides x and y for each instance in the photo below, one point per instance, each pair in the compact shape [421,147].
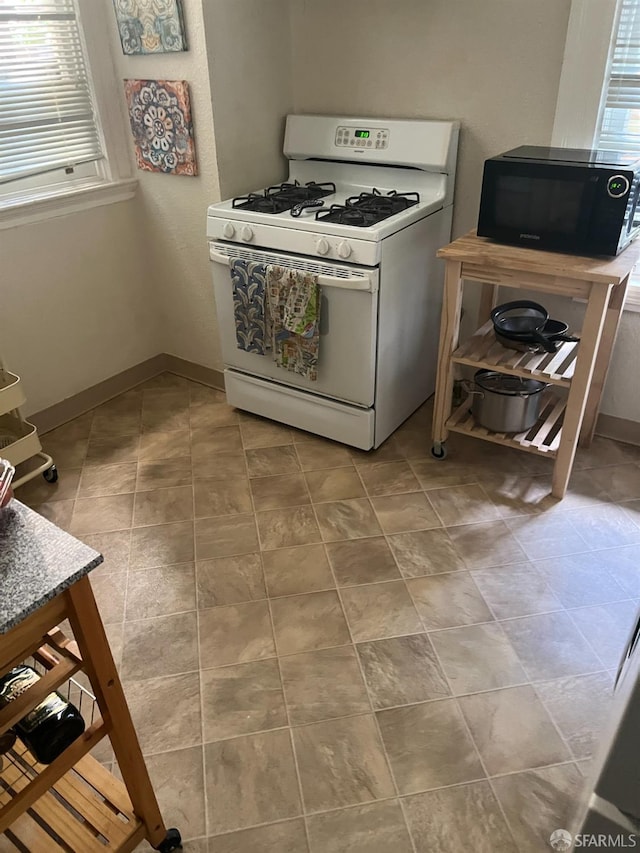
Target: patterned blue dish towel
[248,279]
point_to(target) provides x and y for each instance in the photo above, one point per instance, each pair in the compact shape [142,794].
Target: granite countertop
[37,562]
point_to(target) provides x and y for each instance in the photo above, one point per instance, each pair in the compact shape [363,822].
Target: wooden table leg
[99,665]
[488,301]
[603,360]
[449,337]
[594,319]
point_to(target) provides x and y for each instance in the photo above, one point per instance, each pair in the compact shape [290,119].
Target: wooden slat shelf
[543,438]
[38,783]
[483,351]
[86,810]
[55,661]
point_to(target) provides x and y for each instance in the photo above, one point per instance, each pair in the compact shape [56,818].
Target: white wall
[77,304]
[495,65]
[239,70]
[88,295]
[620,395]
[173,207]
[249,49]
[244,86]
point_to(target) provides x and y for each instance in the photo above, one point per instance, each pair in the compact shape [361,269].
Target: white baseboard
[80,403]
[608,426]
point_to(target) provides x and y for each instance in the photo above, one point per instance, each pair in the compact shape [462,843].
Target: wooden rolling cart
[580,370]
[74,804]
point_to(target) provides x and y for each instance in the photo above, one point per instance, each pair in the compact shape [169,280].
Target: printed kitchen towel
[248,281]
[293,320]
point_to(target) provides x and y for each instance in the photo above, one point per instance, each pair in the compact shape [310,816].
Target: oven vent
[290,261]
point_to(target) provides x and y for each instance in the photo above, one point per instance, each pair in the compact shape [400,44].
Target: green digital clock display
[363,134]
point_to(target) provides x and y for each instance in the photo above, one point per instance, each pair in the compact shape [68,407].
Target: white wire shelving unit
[19,440]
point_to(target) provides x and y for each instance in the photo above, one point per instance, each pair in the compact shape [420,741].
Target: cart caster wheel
[51,474]
[439,451]
[172,841]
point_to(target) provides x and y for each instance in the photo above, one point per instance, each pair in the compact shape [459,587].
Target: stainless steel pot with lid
[504,403]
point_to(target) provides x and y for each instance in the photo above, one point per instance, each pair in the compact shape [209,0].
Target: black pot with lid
[523,324]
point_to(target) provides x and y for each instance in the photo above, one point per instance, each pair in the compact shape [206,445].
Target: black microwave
[561,199]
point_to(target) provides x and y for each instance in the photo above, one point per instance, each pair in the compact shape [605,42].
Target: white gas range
[365,207]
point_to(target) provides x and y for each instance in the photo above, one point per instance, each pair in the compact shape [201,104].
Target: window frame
[115,180]
[582,82]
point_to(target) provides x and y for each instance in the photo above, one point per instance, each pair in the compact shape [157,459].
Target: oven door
[348,325]
[539,205]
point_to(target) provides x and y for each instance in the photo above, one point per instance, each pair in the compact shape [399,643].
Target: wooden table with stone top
[74,802]
[576,370]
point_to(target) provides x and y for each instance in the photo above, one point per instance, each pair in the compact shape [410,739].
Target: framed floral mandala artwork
[150,26]
[160,116]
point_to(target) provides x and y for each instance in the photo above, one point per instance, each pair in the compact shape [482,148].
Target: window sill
[62,203]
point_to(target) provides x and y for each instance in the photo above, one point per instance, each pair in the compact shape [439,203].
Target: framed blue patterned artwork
[160,117]
[150,26]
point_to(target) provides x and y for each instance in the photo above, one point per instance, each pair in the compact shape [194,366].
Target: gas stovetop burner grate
[283,197]
[368,208]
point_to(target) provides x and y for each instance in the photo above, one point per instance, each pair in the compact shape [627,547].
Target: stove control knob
[246,233]
[322,246]
[228,230]
[344,249]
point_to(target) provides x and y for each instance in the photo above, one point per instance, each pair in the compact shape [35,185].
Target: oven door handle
[348,283]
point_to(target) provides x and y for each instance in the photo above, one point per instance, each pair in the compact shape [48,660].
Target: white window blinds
[47,118]
[619,124]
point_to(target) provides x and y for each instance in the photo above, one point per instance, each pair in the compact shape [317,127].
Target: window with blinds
[48,121]
[619,123]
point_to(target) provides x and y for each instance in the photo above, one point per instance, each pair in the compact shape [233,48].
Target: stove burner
[367,209]
[283,197]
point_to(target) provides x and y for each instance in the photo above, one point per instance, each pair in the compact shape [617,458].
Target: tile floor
[326,650]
